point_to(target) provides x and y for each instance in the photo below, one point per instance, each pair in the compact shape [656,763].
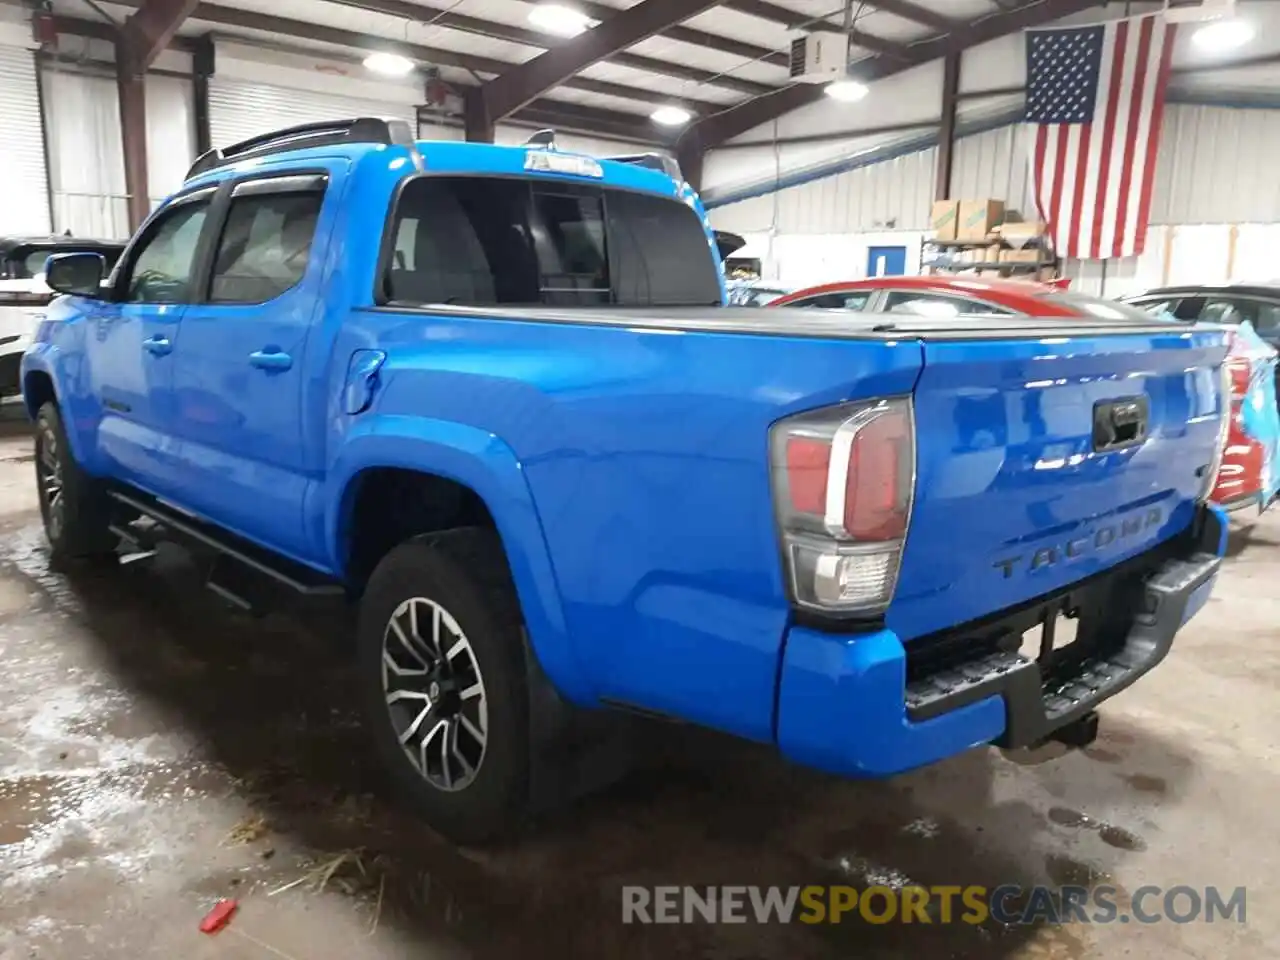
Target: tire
[469,788]
[74,505]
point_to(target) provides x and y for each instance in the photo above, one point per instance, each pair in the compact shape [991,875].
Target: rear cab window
[517,242]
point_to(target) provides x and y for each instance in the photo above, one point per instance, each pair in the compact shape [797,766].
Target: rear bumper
[845,703]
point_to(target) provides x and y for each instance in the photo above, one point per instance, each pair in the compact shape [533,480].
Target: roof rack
[654,161]
[355,130]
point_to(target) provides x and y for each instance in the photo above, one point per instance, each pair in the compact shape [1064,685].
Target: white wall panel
[85,151]
[995,164]
[1217,165]
[256,91]
[170,134]
[240,109]
[22,164]
[85,155]
[574,142]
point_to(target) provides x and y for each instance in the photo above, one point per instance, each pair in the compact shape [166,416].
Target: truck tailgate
[1042,461]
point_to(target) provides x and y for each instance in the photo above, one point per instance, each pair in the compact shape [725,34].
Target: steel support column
[131,87]
[947,129]
[202,68]
[477,124]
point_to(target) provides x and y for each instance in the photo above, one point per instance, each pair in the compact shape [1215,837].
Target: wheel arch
[486,468]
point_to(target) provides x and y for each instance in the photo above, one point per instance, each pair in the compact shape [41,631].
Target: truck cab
[493,396]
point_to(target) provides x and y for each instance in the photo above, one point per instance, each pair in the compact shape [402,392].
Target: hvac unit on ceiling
[819,57]
[1187,11]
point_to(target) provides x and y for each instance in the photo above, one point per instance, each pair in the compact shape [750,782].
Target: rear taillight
[1226,409]
[1239,372]
[843,480]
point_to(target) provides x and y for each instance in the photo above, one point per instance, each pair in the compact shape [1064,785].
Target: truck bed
[806,322]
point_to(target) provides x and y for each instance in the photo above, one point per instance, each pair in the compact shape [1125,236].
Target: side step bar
[236,560]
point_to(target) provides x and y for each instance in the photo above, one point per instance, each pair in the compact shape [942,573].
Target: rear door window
[265,246]
[487,240]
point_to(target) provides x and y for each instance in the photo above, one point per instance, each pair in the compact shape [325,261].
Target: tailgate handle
[1119,423]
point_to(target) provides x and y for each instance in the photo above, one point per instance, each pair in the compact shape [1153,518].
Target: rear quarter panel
[645,454]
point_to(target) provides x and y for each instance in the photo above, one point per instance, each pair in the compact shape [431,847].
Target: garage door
[22,171]
[239,109]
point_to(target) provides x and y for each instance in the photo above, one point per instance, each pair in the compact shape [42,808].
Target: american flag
[1095,100]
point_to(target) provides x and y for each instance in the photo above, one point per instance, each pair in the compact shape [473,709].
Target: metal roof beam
[409,10]
[908,10]
[148,30]
[793,20]
[700,38]
[301,30]
[733,121]
[512,90]
[532,38]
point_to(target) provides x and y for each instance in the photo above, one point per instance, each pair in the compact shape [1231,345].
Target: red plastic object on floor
[218,917]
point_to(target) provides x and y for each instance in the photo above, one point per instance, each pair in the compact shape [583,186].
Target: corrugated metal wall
[1215,165]
[894,194]
[22,165]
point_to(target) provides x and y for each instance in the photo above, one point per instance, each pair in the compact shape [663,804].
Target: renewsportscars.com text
[1010,904]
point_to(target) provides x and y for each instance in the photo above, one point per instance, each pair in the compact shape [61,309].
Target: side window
[265,246]
[1268,322]
[1189,308]
[939,305]
[835,301]
[1158,308]
[161,268]
[1228,311]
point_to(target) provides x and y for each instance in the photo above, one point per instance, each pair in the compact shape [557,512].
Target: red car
[1240,482]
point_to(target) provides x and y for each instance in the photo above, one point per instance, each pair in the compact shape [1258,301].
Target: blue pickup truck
[492,394]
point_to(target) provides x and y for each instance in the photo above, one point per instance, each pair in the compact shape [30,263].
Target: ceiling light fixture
[388,64]
[847,91]
[1223,35]
[558,19]
[671,116]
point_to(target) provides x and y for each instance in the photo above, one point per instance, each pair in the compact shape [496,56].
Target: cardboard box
[1021,234]
[978,217]
[1027,255]
[943,220]
[993,253]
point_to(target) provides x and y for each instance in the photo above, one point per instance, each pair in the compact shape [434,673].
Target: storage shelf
[991,265]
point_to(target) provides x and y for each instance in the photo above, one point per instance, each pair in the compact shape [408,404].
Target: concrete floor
[158,752]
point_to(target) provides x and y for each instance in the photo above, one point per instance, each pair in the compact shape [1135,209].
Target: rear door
[132,338]
[239,374]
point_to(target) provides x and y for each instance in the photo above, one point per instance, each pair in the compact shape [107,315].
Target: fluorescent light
[1223,35]
[558,19]
[847,91]
[390,64]
[671,116]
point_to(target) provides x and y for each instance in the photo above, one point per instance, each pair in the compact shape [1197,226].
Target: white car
[23,294]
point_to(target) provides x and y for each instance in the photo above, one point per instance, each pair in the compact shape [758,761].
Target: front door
[886,261]
[130,341]
[239,374]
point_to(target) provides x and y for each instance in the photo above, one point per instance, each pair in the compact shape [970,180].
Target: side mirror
[80,274]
